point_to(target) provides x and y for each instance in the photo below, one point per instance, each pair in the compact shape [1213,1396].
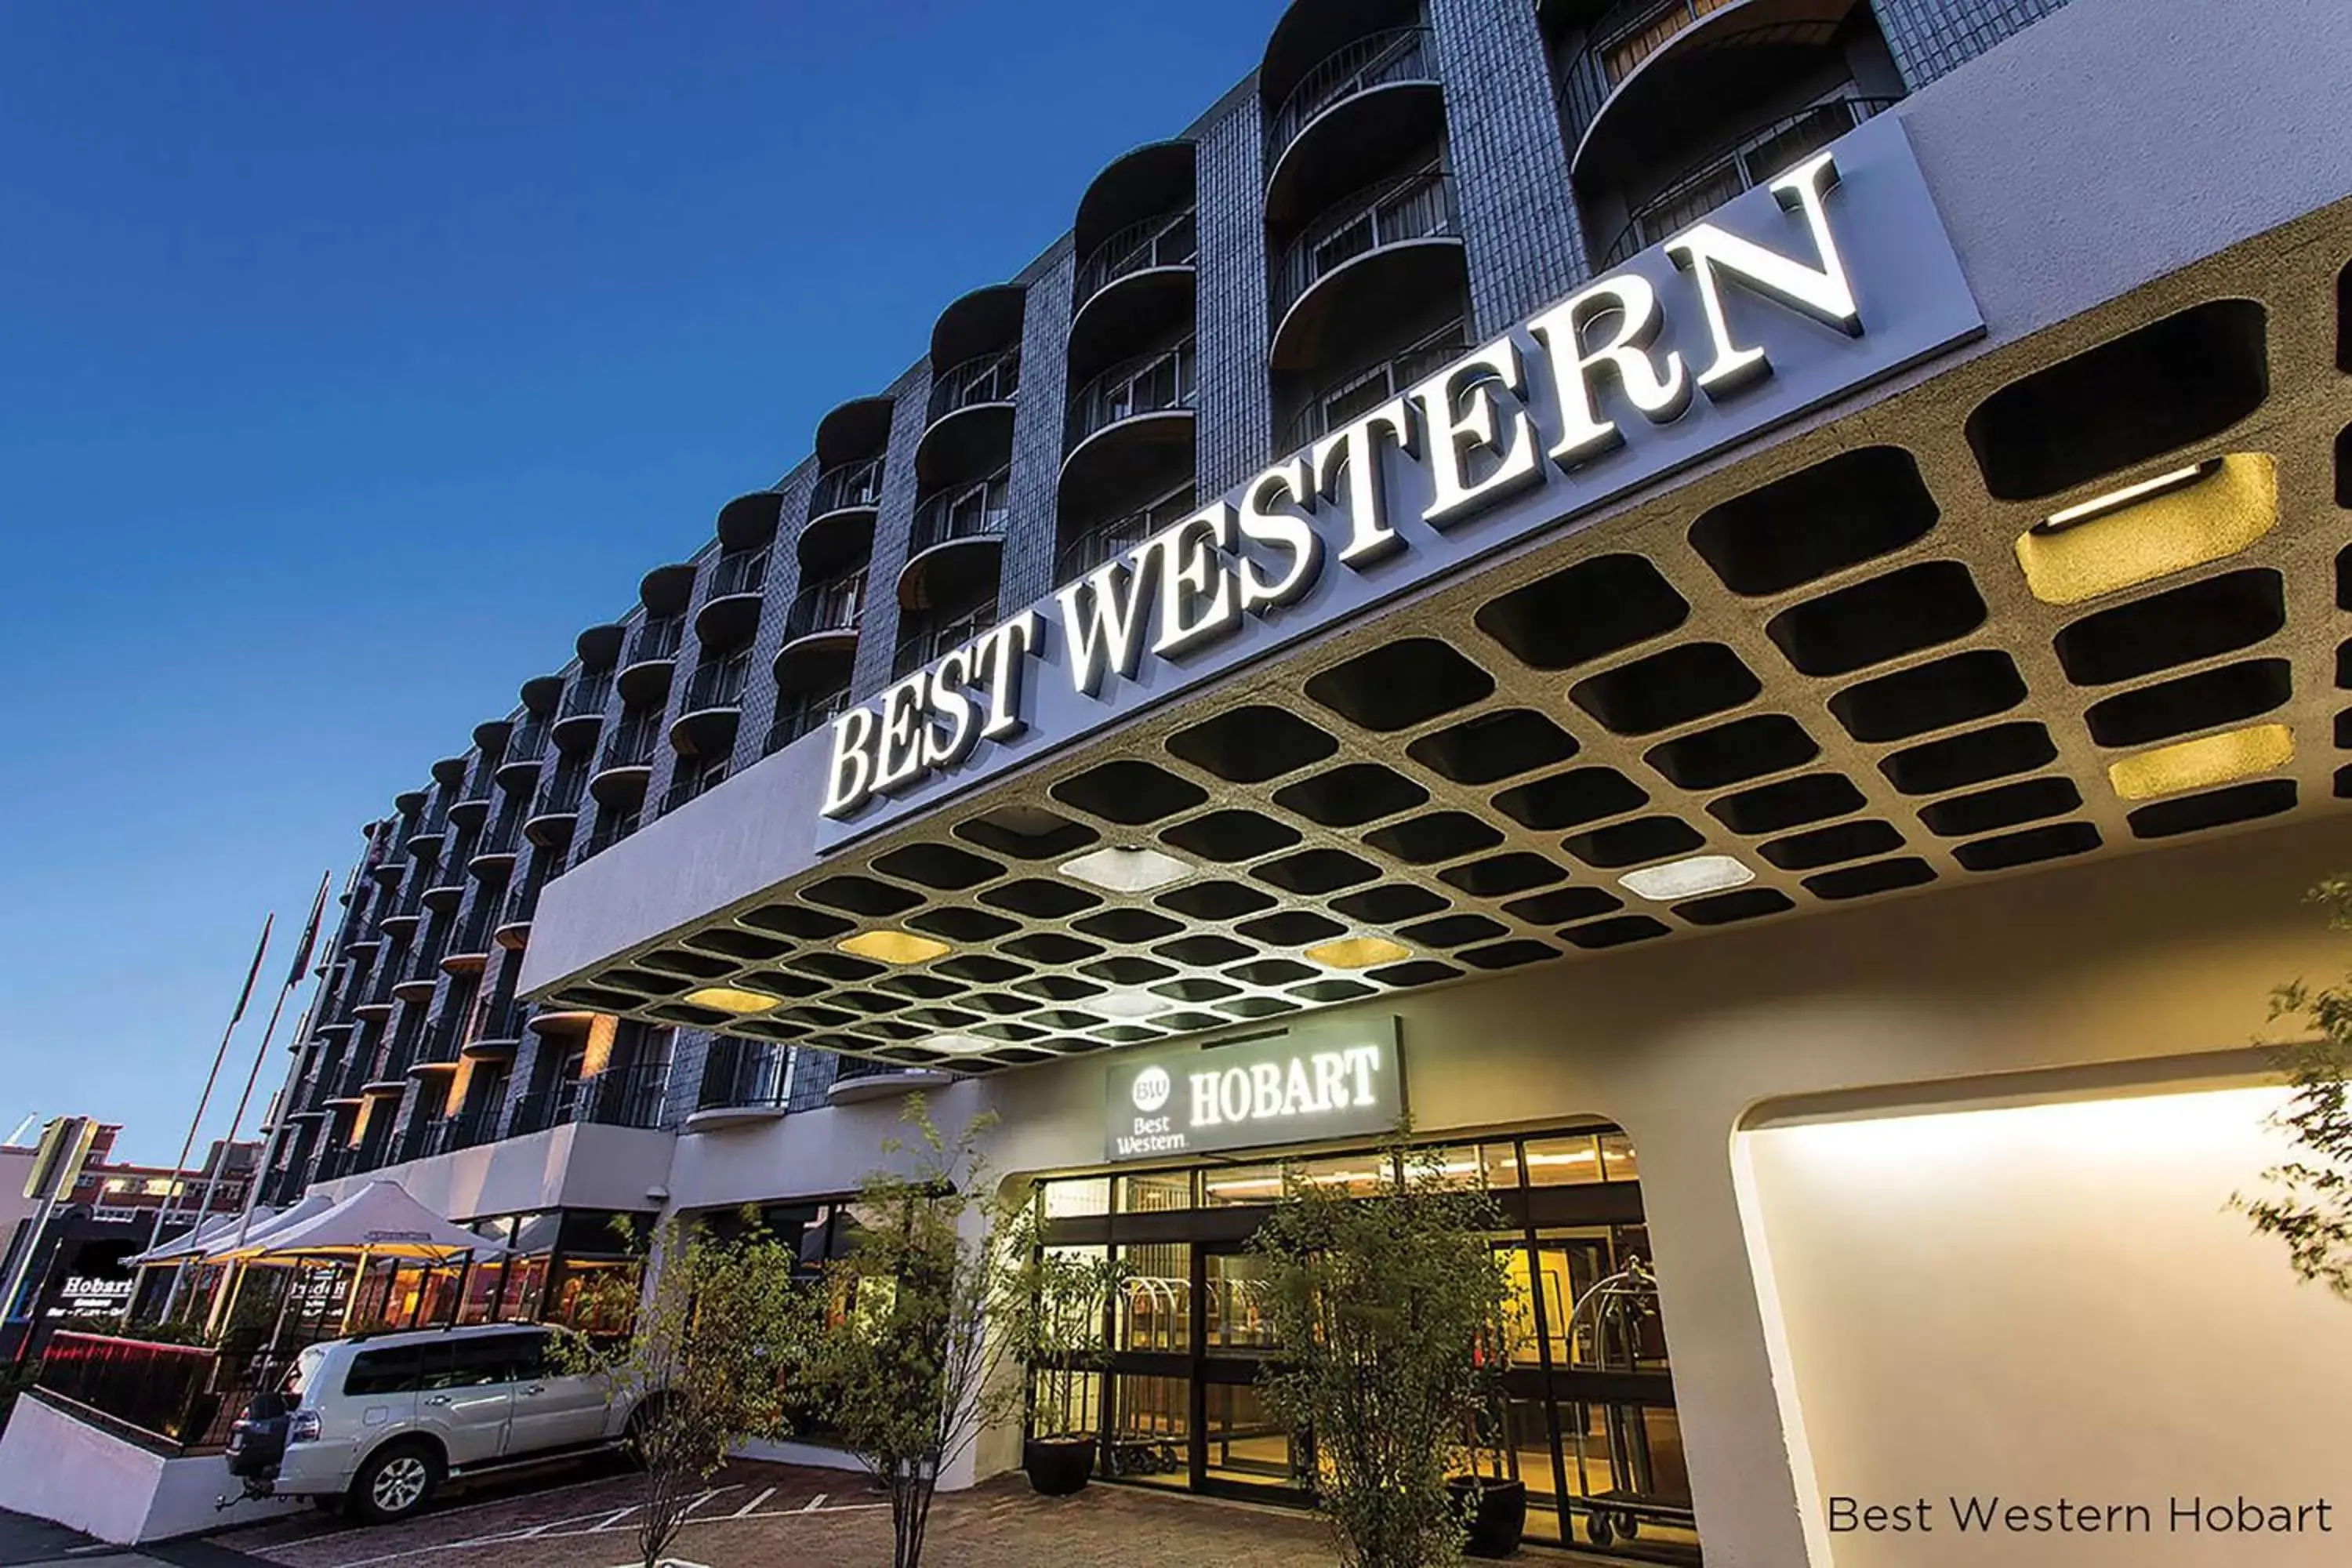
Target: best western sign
[1837,274]
[1310,1084]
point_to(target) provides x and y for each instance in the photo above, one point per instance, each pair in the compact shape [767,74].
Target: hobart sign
[1836,274]
[1312,1083]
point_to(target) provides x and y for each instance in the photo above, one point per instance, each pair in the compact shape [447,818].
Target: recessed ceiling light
[894,946]
[1358,951]
[1686,878]
[958,1045]
[2117,500]
[731,999]
[1127,870]
[2202,762]
[1129,1005]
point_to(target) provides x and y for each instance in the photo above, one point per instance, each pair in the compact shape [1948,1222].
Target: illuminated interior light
[729,999]
[1358,951]
[894,946]
[2170,523]
[1129,1005]
[958,1045]
[1686,878]
[2116,500]
[2201,763]
[1127,870]
[1570,1157]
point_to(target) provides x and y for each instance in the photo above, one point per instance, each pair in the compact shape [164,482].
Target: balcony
[421,975]
[714,702]
[617,1097]
[517,770]
[651,654]
[472,807]
[1645,75]
[469,945]
[958,534]
[496,1029]
[732,610]
[1353,395]
[558,805]
[609,830]
[853,486]
[927,643]
[1109,540]
[1360,109]
[627,759]
[860,1079]
[583,711]
[1758,158]
[1167,242]
[493,852]
[1130,432]
[826,614]
[692,782]
[797,717]
[425,837]
[1381,254]
[513,931]
[970,428]
[445,883]
[743,1082]
[989,379]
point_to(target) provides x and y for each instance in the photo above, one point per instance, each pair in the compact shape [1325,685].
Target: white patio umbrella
[380,1220]
[210,1232]
[222,1246]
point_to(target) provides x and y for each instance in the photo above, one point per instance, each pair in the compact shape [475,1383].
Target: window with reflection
[1563,1162]
[1239,1321]
[1155,1305]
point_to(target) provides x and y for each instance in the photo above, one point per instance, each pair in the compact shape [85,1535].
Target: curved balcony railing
[631,745]
[519,903]
[1624,36]
[561,794]
[496,1018]
[1357,395]
[744,1075]
[1148,384]
[718,685]
[743,572]
[503,835]
[1419,206]
[797,719]
[1116,537]
[986,378]
[692,783]
[656,639]
[589,695]
[976,511]
[835,606]
[1171,240]
[606,835]
[1401,54]
[617,1097]
[926,644]
[527,747]
[432,827]
[1756,158]
[850,486]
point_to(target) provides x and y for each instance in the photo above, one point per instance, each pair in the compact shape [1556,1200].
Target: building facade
[1744,595]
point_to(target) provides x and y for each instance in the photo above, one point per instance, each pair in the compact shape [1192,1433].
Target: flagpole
[294,1061]
[172,1183]
[212,1178]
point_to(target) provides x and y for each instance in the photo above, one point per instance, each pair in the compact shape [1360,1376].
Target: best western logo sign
[1314,1083]
[1836,274]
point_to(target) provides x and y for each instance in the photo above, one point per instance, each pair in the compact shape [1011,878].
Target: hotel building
[1736,603]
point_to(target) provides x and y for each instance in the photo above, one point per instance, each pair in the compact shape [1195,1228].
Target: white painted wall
[55,1467]
[2052,1302]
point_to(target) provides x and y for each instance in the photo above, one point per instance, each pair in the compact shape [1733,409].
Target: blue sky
[353,357]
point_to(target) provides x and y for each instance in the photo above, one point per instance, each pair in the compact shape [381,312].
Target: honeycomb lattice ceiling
[1830,663]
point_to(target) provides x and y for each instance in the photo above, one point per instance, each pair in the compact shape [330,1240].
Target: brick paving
[760,1515]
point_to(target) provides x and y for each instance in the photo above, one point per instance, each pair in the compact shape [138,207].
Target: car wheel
[395,1483]
[633,1435]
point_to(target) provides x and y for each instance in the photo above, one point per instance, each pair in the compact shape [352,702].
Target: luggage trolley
[1610,1313]
[1154,1414]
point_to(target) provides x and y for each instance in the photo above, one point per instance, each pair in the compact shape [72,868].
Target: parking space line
[753,1506]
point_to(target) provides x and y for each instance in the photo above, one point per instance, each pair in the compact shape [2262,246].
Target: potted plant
[1051,1312]
[1390,1307]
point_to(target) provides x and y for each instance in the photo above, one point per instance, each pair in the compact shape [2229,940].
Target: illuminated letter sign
[1313,1083]
[1836,274]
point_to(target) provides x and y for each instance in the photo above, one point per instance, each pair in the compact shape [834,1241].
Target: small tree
[1390,1312]
[705,1362]
[2311,1206]
[1050,1312]
[906,1367]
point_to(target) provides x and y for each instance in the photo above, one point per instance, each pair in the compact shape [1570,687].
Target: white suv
[379,1422]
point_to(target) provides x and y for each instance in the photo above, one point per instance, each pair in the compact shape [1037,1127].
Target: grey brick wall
[1931,38]
[1038,420]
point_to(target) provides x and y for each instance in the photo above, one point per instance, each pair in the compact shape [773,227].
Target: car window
[395,1369]
[303,1375]
[529,1353]
[471,1362]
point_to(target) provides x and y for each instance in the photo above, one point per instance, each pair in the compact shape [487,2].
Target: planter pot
[1059,1466]
[1501,1518]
